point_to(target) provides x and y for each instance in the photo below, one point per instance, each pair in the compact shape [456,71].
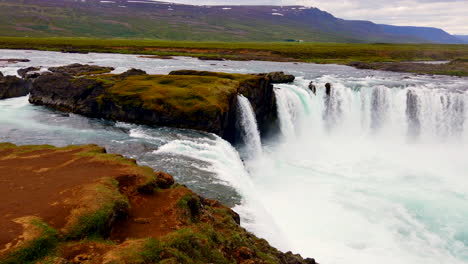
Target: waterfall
[381,160]
[222,157]
[223,160]
[293,104]
[400,113]
[249,129]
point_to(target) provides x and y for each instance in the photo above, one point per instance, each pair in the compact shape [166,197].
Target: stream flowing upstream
[377,172]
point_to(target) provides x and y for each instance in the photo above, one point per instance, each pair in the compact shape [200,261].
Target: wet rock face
[25,72]
[312,87]
[81,69]
[12,86]
[328,88]
[65,93]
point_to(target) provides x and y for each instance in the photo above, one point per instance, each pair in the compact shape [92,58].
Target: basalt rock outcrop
[77,69]
[257,88]
[24,72]
[78,204]
[205,101]
[12,86]
[280,77]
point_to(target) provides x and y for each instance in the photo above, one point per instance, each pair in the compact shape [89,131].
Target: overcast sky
[450,15]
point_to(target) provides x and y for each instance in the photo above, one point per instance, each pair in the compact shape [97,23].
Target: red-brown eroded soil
[36,183]
[151,215]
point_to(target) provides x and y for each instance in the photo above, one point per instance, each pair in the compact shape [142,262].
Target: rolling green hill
[166,21]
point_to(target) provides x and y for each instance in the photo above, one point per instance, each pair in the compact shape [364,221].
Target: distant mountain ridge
[169,21]
[464,38]
[432,35]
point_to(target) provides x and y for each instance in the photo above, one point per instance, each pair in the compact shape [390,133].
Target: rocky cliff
[205,101]
[78,204]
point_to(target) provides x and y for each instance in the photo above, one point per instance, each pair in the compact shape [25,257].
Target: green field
[303,52]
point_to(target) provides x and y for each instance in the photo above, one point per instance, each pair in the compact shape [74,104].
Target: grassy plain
[337,53]
[340,53]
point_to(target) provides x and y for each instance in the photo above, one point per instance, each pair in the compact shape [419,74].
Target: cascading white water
[225,162]
[372,174]
[292,104]
[249,128]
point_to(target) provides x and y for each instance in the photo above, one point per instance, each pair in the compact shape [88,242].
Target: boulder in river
[12,86]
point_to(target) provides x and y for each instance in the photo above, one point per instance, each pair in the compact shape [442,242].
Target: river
[375,173]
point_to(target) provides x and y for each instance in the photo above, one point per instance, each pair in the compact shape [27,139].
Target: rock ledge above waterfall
[197,100]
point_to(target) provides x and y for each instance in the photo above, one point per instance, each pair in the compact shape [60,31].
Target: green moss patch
[175,94]
[37,248]
[103,204]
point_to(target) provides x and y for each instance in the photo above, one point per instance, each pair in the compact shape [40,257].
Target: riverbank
[78,204]
[458,67]
[283,52]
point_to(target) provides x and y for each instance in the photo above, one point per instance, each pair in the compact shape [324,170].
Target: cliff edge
[205,101]
[78,204]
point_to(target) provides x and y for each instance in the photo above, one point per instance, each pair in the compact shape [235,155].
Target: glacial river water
[376,173]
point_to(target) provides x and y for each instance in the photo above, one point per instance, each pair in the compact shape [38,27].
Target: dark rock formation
[280,77]
[290,258]
[14,60]
[328,88]
[192,109]
[25,71]
[81,69]
[312,87]
[63,92]
[1,74]
[412,114]
[12,86]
